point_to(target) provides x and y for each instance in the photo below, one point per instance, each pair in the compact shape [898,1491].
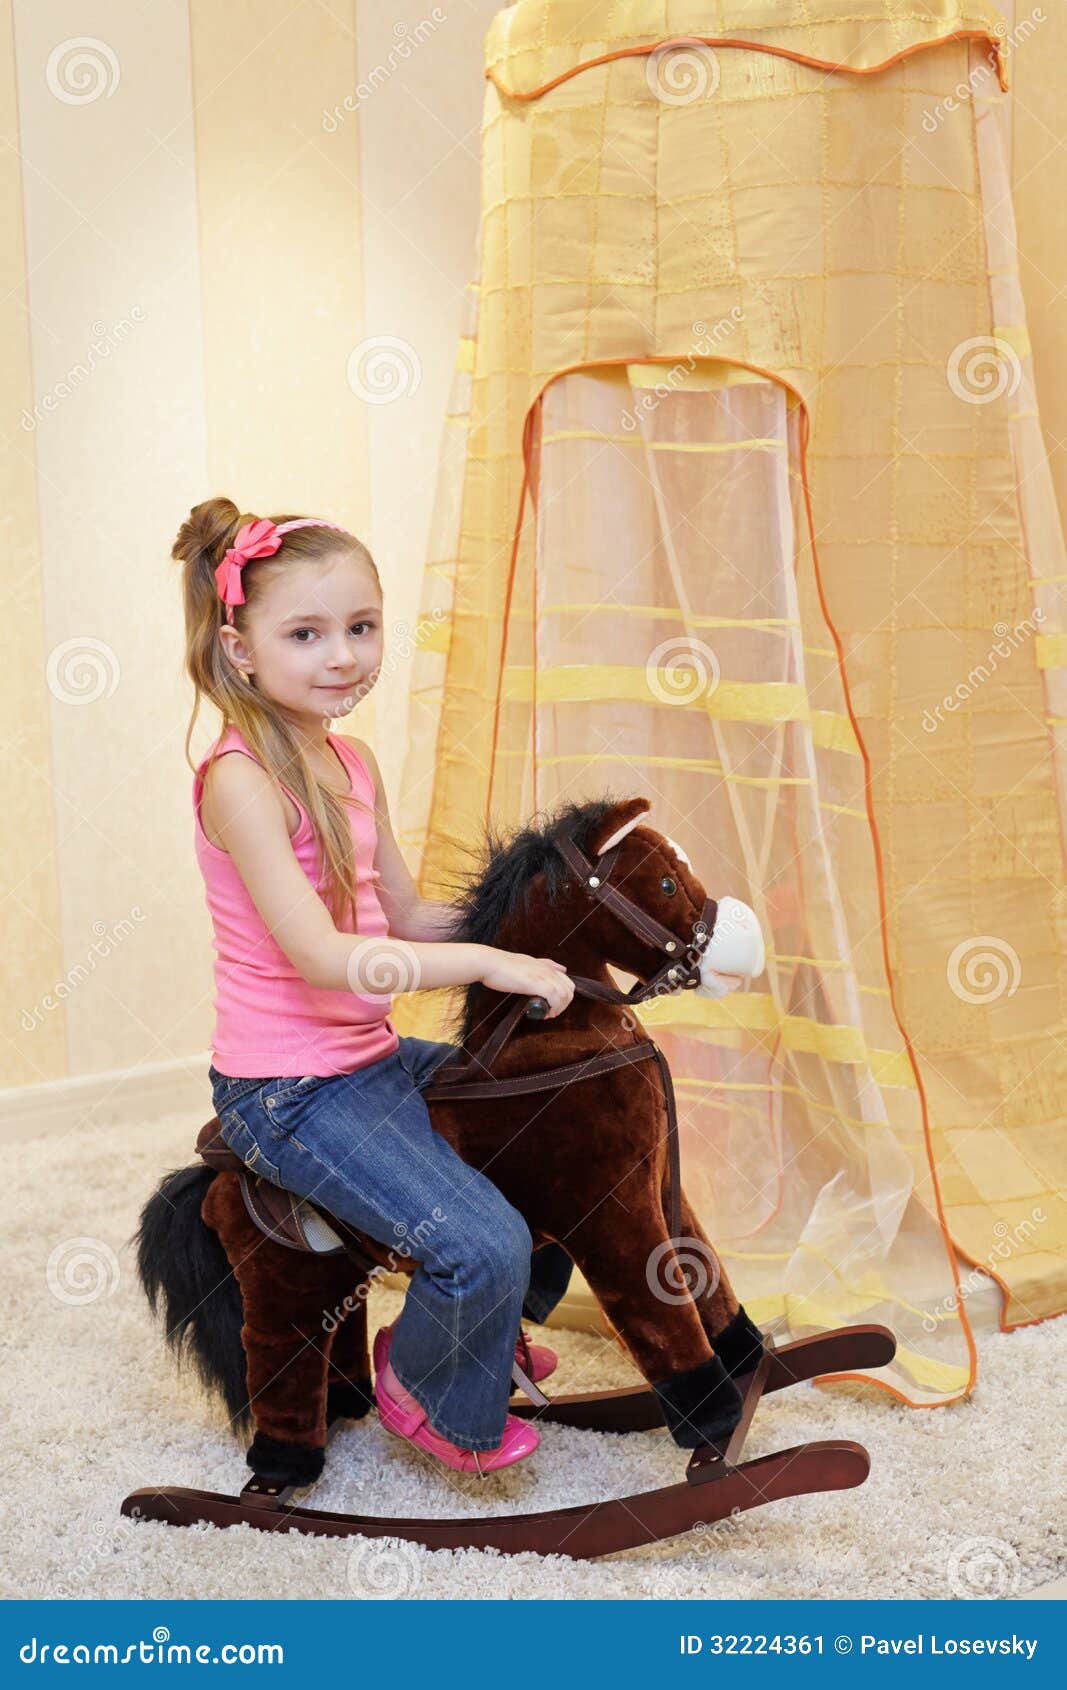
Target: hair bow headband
[261,538]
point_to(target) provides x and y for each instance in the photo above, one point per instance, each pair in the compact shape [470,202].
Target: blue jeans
[362,1146]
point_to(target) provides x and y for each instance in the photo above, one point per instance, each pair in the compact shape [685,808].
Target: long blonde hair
[208,531]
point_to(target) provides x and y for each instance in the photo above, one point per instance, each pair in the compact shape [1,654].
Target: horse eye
[668,885]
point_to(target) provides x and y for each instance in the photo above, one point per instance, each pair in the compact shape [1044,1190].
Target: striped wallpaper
[225,227]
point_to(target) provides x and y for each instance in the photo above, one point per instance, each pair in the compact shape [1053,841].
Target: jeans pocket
[226,1091]
[421,1058]
[244,1143]
[283,1099]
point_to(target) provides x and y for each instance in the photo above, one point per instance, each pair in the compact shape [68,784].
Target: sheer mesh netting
[670,536]
[753,518]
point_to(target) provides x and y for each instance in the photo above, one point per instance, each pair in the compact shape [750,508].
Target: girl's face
[313,638]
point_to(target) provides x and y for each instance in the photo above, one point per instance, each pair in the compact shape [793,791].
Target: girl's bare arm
[250,820]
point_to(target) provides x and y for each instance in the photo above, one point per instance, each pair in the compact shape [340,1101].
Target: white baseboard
[115,1097]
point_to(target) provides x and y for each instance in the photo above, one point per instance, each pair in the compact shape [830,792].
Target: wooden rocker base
[717,1483]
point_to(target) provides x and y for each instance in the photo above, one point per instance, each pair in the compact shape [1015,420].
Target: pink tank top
[269,1021]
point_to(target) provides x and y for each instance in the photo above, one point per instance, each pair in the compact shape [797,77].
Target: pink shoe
[536,1360]
[520,1437]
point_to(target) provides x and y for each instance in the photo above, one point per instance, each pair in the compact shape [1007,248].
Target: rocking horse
[586,1149]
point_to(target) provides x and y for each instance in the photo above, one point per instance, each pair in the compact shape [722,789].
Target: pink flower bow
[255,539]
[261,538]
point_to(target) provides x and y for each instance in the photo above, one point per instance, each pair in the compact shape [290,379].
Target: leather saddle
[300,1225]
[289,1220]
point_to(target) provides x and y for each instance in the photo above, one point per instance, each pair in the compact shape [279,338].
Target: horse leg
[349,1391]
[631,1267]
[737,1342]
[290,1302]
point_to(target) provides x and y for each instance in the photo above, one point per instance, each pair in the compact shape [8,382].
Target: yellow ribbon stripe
[729,701]
[705,377]
[1051,650]
[756,1012]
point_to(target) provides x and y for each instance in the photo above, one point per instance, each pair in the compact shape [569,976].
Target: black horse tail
[188,1281]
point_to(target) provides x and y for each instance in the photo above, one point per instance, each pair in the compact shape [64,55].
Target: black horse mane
[508,866]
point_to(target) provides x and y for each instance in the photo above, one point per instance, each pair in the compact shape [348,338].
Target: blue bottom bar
[591,1645]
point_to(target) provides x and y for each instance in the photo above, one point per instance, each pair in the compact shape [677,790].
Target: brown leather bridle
[473,1078]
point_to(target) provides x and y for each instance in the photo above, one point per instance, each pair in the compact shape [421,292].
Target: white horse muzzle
[735,954]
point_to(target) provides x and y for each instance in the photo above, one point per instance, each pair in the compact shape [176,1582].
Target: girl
[316,921]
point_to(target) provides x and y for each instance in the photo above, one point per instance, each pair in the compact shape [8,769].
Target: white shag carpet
[961,1501]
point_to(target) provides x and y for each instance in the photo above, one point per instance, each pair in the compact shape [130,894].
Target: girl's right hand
[538,977]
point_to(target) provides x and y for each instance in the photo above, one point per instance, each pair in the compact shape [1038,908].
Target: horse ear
[619,821]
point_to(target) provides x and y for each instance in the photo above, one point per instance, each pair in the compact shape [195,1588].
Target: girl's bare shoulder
[229,781]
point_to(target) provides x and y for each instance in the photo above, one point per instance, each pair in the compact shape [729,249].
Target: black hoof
[739,1346]
[284,1463]
[700,1406]
[349,1400]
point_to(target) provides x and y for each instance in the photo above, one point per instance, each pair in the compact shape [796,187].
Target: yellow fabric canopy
[743,506]
[531,48]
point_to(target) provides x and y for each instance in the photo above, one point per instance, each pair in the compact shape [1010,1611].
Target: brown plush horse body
[587,1164]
